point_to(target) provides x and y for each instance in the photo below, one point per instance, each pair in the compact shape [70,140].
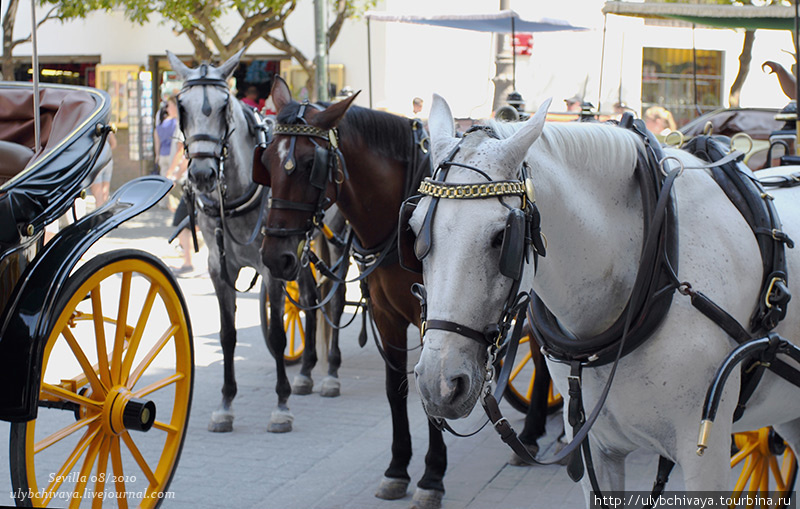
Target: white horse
[591,211]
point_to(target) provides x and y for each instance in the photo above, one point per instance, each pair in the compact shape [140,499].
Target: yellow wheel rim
[520,381]
[293,324]
[762,472]
[130,335]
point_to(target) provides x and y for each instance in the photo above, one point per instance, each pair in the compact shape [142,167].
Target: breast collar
[656,279]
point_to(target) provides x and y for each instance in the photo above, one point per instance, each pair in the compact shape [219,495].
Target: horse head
[475,262]
[301,165]
[205,114]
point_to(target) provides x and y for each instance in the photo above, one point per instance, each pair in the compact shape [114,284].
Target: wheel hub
[122,411]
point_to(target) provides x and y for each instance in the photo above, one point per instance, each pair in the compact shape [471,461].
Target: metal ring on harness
[672,134]
[663,166]
[741,136]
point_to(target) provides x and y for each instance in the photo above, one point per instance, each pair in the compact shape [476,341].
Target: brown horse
[379,150]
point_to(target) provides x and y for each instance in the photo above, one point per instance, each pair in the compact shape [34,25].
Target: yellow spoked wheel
[770,466]
[116,387]
[293,325]
[520,381]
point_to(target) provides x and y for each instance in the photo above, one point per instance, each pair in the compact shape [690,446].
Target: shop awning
[777,17]
[504,22]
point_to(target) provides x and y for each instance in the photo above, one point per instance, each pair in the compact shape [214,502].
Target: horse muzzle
[203,176]
[449,378]
[282,256]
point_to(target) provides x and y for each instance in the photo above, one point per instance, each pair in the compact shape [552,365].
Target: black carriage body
[32,275]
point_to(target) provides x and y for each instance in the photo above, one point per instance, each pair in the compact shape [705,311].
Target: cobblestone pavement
[339,448]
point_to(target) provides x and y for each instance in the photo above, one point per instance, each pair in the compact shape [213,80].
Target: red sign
[523,44]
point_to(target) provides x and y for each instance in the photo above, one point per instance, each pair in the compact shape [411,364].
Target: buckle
[500,422]
[770,289]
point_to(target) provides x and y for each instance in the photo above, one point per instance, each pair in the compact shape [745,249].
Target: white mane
[589,145]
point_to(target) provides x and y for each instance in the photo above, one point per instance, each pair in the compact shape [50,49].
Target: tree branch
[342,13]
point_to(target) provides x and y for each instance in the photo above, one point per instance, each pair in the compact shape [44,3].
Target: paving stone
[336,455]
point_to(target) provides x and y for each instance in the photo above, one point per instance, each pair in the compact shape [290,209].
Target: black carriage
[96,355]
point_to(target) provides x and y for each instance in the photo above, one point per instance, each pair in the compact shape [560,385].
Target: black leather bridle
[219,208]
[521,237]
[328,166]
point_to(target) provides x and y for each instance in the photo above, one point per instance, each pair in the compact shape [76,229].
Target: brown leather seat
[13,158]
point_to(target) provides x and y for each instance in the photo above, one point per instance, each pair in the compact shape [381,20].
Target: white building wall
[410,60]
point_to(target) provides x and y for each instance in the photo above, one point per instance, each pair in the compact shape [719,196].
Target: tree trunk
[744,67]
[8,40]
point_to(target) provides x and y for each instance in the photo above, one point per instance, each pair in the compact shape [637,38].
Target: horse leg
[330,384]
[281,419]
[222,417]
[303,384]
[396,479]
[609,467]
[536,417]
[430,489]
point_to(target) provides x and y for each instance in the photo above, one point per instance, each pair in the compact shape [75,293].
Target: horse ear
[281,95]
[330,116]
[517,145]
[229,66]
[178,66]
[441,126]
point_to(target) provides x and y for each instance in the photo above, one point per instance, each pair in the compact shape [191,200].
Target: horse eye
[497,240]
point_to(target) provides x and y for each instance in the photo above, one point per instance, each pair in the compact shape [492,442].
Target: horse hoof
[302,385]
[280,421]
[392,488]
[221,422]
[330,387]
[516,461]
[427,499]
[560,445]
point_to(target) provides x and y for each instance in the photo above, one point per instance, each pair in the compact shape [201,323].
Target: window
[114,80]
[668,81]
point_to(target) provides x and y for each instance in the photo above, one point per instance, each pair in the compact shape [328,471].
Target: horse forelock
[584,145]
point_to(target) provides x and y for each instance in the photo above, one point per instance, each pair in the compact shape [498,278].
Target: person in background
[659,121]
[167,141]
[101,185]
[416,107]
[177,173]
[574,103]
[251,97]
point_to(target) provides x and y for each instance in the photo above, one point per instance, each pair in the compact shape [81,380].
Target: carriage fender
[27,320]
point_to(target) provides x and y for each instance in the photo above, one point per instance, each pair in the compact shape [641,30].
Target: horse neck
[370,198]
[591,211]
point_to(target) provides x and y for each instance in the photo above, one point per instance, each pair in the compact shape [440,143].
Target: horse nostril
[287,262]
[458,388]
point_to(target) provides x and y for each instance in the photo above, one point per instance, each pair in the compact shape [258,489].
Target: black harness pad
[406,239]
[513,248]
[319,170]
[260,172]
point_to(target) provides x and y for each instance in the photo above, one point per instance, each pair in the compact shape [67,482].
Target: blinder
[406,239]
[320,167]
[260,172]
[514,242]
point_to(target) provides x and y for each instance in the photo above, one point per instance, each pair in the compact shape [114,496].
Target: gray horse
[220,135]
